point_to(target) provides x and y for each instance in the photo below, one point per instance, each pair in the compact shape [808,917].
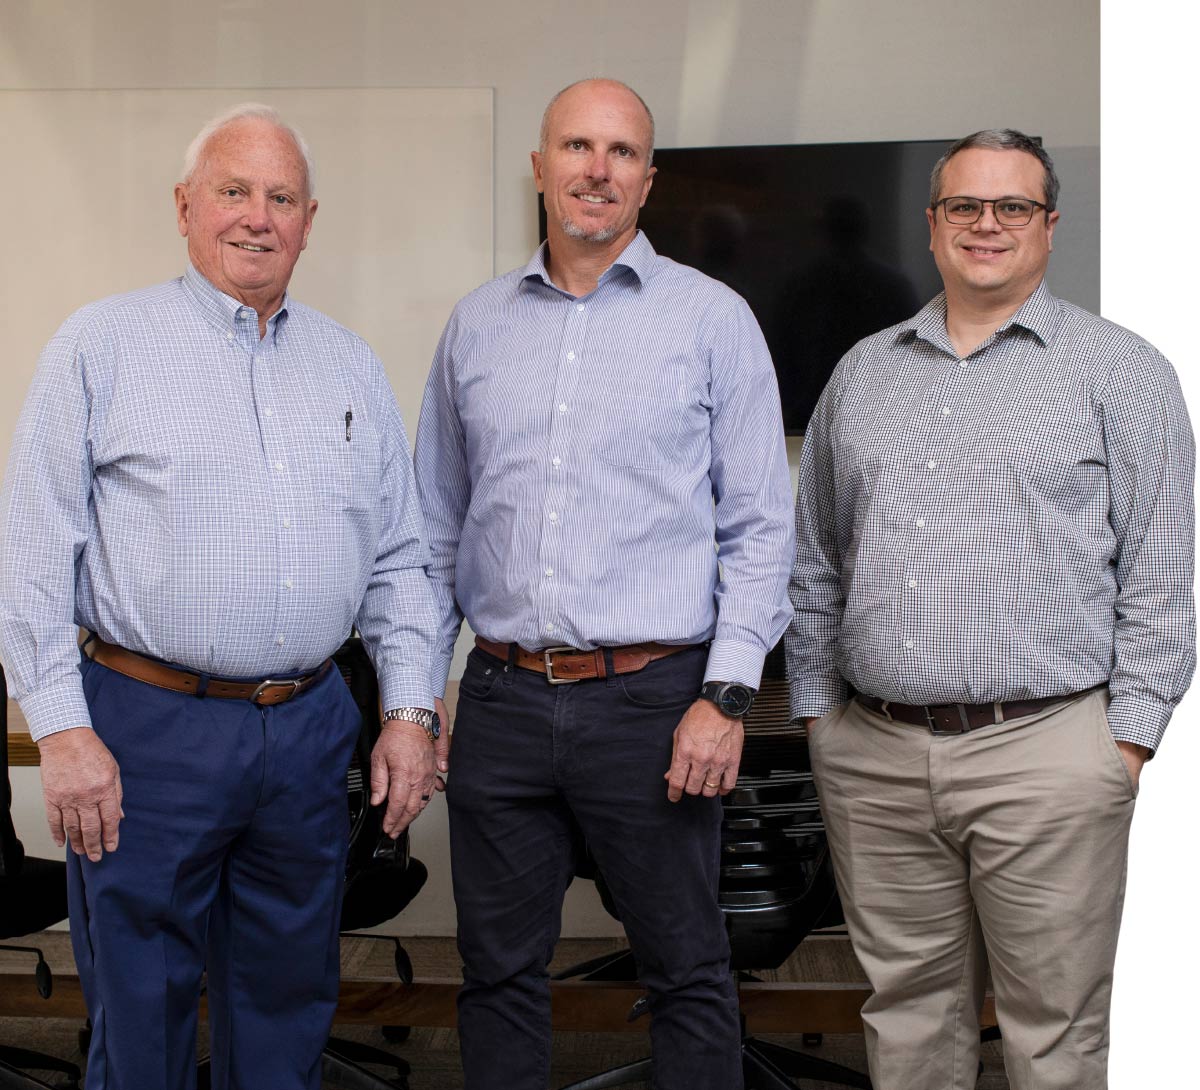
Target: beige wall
[713,71]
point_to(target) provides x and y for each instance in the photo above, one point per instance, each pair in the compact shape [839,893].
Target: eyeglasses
[1009,211]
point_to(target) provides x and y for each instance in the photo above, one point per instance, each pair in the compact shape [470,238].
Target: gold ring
[707,784]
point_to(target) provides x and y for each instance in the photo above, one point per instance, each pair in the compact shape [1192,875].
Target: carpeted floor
[433,1053]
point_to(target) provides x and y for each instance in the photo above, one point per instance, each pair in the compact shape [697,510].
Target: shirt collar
[1039,314]
[223,311]
[638,258]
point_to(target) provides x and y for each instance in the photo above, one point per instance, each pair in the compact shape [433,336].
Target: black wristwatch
[732,698]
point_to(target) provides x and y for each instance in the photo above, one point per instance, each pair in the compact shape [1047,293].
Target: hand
[706,754]
[81,785]
[1135,756]
[441,747]
[402,772]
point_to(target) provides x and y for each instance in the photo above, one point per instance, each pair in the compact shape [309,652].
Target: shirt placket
[278,472]
[557,512]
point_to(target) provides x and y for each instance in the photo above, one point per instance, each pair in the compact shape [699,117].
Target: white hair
[253,111]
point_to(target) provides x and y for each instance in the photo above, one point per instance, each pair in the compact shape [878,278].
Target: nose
[258,212]
[597,165]
[987,219]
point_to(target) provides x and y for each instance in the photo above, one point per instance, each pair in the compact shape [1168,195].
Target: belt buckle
[546,653]
[939,732]
[294,682]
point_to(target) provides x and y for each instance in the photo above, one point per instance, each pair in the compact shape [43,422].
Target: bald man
[600,429]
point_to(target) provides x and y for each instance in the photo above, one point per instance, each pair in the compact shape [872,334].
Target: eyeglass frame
[993,202]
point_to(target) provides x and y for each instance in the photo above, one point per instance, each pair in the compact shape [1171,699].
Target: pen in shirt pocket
[349,417]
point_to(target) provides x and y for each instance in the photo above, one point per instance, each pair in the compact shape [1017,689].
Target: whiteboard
[403,229]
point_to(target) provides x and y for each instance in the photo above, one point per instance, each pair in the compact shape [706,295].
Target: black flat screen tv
[827,242]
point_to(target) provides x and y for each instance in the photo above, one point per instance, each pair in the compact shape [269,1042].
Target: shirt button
[570,355]
[908,645]
[562,408]
[549,628]
[579,306]
[278,467]
[287,584]
[287,524]
[931,464]
[962,363]
[556,461]
[549,573]
[268,412]
[229,337]
[553,516]
[912,583]
[920,523]
[279,641]
[945,410]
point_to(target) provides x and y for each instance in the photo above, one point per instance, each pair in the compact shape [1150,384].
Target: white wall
[713,71]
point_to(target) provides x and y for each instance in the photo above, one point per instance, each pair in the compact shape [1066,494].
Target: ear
[181,208]
[931,219]
[1051,223]
[646,186]
[312,213]
[535,157]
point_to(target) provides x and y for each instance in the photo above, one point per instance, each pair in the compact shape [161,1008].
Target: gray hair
[544,134]
[255,111]
[998,140]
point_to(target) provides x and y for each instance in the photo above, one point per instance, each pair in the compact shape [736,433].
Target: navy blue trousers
[232,857]
[532,760]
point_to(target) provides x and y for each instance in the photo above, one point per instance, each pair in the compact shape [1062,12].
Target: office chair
[33,895]
[381,879]
[776,885]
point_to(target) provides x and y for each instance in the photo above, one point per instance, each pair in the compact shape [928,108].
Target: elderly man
[994,520]
[593,425]
[213,480]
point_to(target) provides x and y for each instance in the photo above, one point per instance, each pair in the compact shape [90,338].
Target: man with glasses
[995,543]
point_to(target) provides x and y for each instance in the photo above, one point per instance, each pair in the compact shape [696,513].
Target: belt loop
[610,672]
[202,685]
[998,709]
[510,667]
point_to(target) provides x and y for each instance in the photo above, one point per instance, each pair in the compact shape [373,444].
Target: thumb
[379,777]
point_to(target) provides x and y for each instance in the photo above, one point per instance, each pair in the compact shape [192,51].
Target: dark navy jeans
[232,856]
[530,760]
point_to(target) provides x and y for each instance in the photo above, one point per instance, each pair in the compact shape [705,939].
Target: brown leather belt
[959,718]
[267,692]
[563,665]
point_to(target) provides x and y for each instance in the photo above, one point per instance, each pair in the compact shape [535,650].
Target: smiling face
[594,170]
[985,263]
[246,212]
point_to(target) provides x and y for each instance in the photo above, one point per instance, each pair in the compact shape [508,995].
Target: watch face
[735,700]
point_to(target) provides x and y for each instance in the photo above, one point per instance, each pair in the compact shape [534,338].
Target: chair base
[765,1066]
[12,1060]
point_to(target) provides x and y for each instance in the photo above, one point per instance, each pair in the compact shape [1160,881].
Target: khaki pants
[1005,846]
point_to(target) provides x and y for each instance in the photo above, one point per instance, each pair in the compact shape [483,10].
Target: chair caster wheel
[396,1035]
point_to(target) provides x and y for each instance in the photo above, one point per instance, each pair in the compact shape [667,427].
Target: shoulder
[323,331]
[692,288]
[107,318]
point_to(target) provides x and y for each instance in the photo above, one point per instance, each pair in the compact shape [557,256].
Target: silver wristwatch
[423,717]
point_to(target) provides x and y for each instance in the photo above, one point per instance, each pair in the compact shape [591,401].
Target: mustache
[597,190]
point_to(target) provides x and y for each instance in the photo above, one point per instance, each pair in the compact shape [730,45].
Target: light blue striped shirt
[188,492]
[577,459]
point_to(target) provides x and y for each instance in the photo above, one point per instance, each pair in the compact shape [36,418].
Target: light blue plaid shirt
[229,505]
[579,458]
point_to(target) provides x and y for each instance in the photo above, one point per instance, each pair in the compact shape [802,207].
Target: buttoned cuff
[403,689]
[55,708]
[1134,718]
[813,697]
[439,671]
[729,660]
